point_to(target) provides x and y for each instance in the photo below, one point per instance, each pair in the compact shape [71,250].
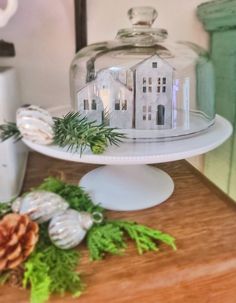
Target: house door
[160,118]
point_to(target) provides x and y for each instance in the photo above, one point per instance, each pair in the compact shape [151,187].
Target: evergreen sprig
[50,270]
[77,198]
[5,208]
[146,238]
[74,132]
[77,133]
[109,238]
[102,239]
[9,130]
[36,276]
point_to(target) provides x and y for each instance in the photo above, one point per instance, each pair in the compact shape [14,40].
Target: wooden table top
[198,215]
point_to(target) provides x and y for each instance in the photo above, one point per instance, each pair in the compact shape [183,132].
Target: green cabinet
[219,19]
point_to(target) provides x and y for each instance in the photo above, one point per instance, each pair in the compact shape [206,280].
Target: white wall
[43,33]
[178,17]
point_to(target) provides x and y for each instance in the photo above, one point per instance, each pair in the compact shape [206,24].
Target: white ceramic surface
[13,156]
[128,188]
[146,153]
[126,184]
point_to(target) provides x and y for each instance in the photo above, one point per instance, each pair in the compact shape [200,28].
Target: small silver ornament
[68,229]
[40,206]
[35,124]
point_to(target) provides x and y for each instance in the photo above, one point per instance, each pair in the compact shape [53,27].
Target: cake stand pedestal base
[127,187]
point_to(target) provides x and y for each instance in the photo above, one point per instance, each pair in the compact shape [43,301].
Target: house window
[150,81]
[154,64]
[144,89]
[149,89]
[117,105]
[144,81]
[86,104]
[147,113]
[94,105]
[161,85]
[124,105]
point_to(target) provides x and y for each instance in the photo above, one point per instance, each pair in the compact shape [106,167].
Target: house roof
[134,67]
[109,75]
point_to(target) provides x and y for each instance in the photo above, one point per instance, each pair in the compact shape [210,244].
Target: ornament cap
[16,205]
[86,220]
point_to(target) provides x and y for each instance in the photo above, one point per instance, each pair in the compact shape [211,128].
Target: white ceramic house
[138,97]
[153,90]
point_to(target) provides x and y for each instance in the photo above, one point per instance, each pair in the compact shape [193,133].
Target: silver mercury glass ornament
[35,124]
[68,229]
[40,206]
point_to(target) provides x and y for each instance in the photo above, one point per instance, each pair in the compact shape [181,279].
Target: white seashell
[68,229]
[40,206]
[35,124]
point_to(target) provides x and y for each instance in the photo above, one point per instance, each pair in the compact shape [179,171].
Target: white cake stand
[126,183]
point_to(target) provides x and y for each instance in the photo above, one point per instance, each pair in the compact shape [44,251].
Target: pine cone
[16,276]
[18,236]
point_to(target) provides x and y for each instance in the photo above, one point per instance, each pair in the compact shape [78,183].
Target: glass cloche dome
[142,83]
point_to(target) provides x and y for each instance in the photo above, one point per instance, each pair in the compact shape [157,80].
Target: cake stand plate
[127,183]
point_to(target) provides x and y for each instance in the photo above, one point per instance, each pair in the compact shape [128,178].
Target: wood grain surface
[203,220]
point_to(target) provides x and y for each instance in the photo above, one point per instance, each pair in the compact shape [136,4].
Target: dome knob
[142,16]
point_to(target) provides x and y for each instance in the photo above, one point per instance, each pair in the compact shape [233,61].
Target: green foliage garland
[51,270]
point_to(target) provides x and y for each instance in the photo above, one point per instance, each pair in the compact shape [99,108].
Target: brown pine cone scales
[18,236]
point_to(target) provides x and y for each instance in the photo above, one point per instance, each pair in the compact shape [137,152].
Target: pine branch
[8,131]
[77,133]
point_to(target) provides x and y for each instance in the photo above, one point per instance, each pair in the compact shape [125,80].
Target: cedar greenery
[5,207]
[36,276]
[77,198]
[74,132]
[77,133]
[52,270]
[106,238]
[109,238]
